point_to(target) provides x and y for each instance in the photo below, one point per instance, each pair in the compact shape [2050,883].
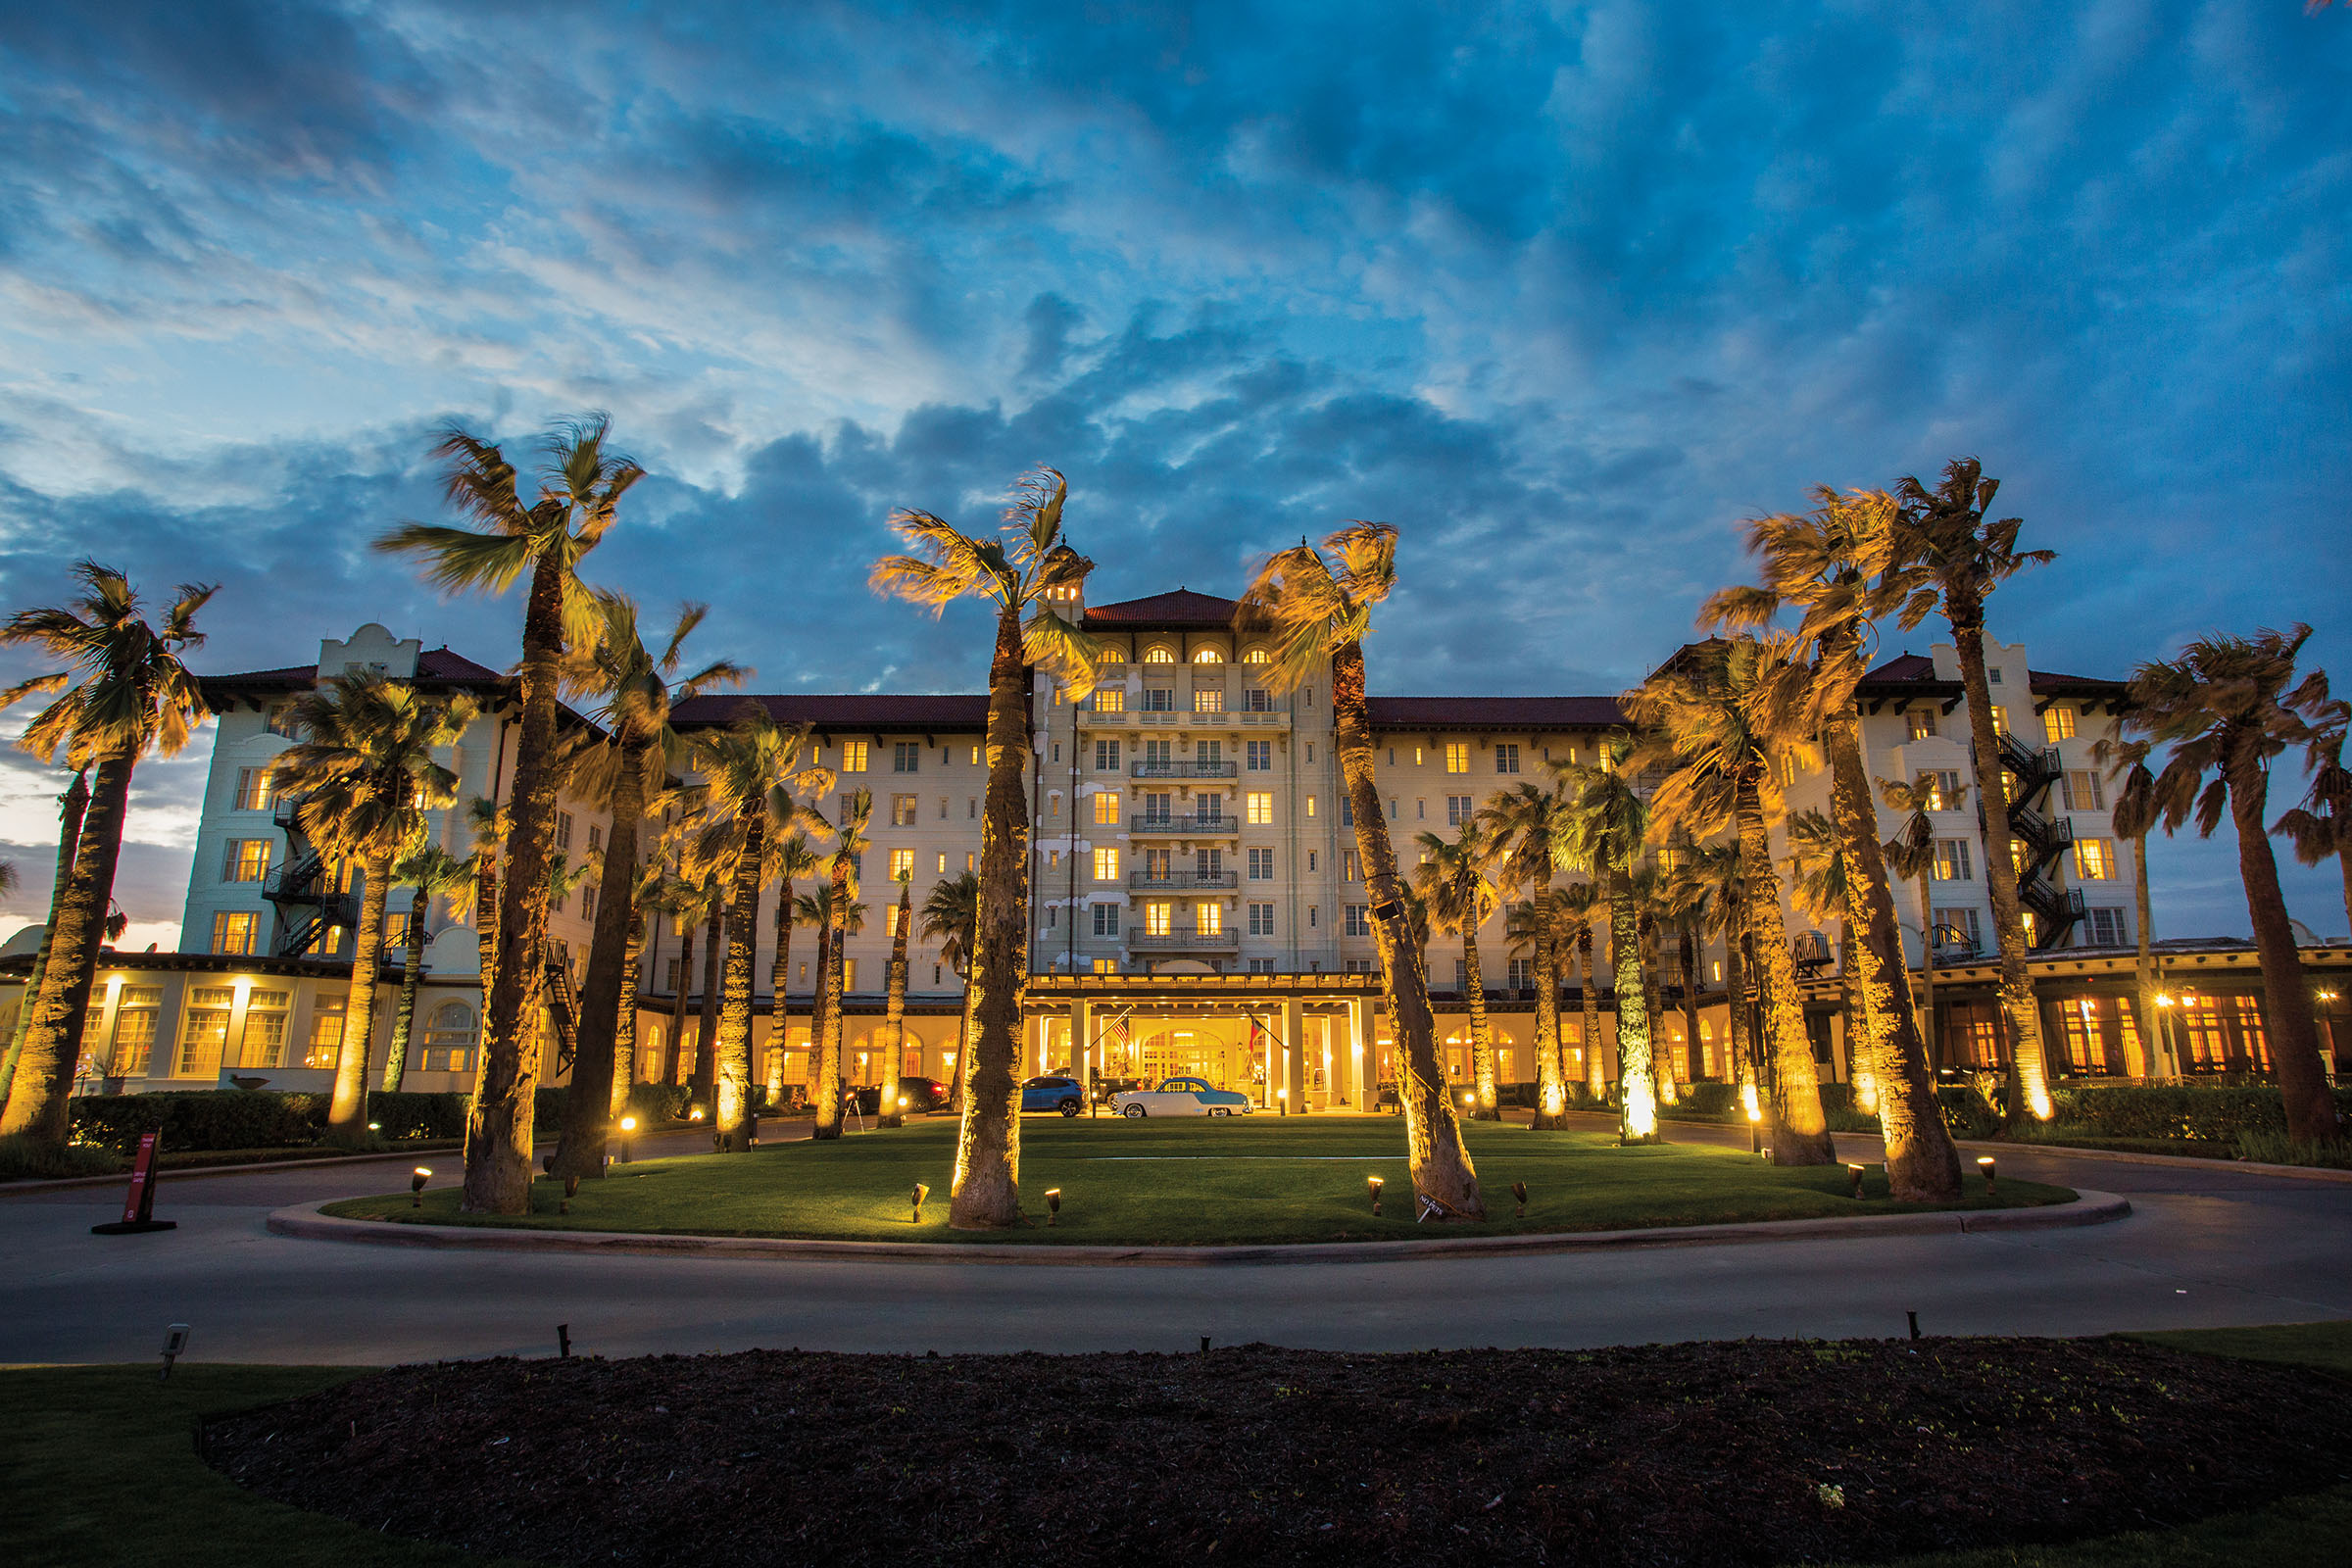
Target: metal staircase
[307,905]
[2044,838]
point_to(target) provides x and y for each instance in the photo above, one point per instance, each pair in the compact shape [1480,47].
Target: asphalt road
[2205,1246]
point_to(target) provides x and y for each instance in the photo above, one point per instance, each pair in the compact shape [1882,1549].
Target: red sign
[138,1204]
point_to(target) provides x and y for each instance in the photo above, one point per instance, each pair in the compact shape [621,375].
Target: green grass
[102,1473]
[1251,1181]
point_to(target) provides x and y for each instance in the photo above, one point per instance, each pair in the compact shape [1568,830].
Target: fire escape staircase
[307,904]
[563,1009]
[2042,839]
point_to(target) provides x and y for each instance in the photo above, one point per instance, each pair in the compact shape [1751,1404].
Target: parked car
[1182,1096]
[922,1094]
[1053,1094]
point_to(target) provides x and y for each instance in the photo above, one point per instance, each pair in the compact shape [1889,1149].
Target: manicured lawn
[1250,1181]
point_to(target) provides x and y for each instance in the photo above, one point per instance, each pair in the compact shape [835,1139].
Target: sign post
[138,1204]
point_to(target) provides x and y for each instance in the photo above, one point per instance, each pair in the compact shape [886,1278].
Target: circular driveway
[2206,1246]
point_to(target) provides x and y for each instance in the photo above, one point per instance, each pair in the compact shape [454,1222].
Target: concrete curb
[171,1173]
[305,1221]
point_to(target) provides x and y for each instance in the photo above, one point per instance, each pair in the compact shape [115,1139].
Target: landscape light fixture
[628,1125]
[375,1126]
[416,1180]
[572,1189]
[1375,1183]
[1284,1095]
[175,1345]
[696,1115]
[921,1192]
[1985,1164]
[1855,1171]
[1053,1205]
[1519,1196]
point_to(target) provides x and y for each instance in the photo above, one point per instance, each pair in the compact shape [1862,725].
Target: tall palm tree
[1683,899]
[1728,724]
[2322,825]
[1319,613]
[703,1084]
[429,872]
[581,486]
[951,918]
[1716,894]
[1023,571]
[1520,823]
[792,860]
[752,772]
[486,825]
[834,920]
[1836,565]
[1649,913]
[2133,814]
[2226,706]
[70,808]
[1818,887]
[1948,556]
[1452,882]
[850,844]
[893,1017]
[364,775]
[1911,856]
[122,693]
[1575,904]
[690,901]
[644,903]
[1601,826]
[634,690]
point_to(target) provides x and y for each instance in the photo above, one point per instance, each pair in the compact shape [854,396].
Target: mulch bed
[1762,1451]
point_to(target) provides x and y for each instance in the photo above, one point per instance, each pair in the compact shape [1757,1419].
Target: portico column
[1362,1055]
[1294,1045]
[1082,1047]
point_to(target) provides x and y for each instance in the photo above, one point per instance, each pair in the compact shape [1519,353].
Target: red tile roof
[433,664]
[1904,667]
[1494,713]
[2042,680]
[1183,607]
[928,712]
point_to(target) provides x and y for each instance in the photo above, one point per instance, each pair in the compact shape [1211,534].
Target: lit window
[1351,866]
[1209,655]
[1951,860]
[1110,700]
[1158,919]
[1310,805]
[1106,808]
[2094,860]
[2057,723]
[1208,918]
[247,861]
[1257,656]
[903,808]
[253,789]
[1158,655]
[2000,719]
[902,865]
[853,757]
[942,862]
[1209,699]
[889,922]
[1112,655]
[326,1033]
[234,931]
[975,757]
[1106,866]
[1920,722]
[263,1042]
[204,1029]
[1259,808]
[1457,756]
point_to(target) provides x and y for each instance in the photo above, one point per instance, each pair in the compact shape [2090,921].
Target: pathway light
[1855,1171]
[1985,1164]
[416,1180]
[628,1125]
[921,1192]
[1053,1205]
[572,1189]
[1374,1183]
[1519,1196]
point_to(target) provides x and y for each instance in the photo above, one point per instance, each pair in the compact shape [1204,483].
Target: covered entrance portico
[1290,1042]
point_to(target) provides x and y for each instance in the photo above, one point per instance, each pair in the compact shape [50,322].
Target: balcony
[1272,718]
[1185,770]
[1185,939]
[1186,827]
[1182,882]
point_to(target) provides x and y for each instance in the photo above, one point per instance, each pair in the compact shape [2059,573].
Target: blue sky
[1564,292]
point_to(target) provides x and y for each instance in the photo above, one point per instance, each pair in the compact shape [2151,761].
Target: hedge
[2178,1110]
[211,1119]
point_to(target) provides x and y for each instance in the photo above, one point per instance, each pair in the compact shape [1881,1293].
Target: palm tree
[1317,615]
[1649,913]
[1602,825]
[2322,825]
[1836,565]
[1911,856]
[364,775]
[950,918]
[1521,824]
[70,808]
[2133,816]
[751,771]
[894,1019]
[634,690]
[2226,707]
[1728,724]
[836,919]
[579,496]
[703,1083]
[1683,897]
[486,825]
[125,691]
[850,844]
[644,899]
[1817,885]
[1024,573]
[1716,894]
[1948,556]
[430,872]
[1452,880]
[792,860]
[1575,904]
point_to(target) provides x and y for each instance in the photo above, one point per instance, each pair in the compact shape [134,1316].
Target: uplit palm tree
[1452,880]
[70,808]
[644,906]
[633,691]
[581,486]
[2226,706]
[2134,815]
[1911,856]
[753,772]
[1318,610]
[1713,891]
[894,1013]
[834,920]
[1520,824]
[2322,825]
[1833,565]
[429,872]
[1948,556]
[1601,826]
[789,861]
[1817,886]
[1024,573]
[1727,723]
[486,826]
[1651,911]
[122,693]
[950,918]
[850,844]
[693,901]
[364,776]
[1682,901]
[1575,902]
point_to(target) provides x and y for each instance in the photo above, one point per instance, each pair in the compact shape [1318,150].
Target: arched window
[449,1038]
[1257,656]
[1209,656]
[649,1055]
[1112,655]
[1158,655]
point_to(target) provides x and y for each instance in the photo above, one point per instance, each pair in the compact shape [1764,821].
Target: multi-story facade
[1197,903]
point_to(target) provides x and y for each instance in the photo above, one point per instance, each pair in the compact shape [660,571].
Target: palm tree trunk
[1862,1040]
[412,970]
[988,1146]
[2285,995]
[40,1092]
[1800,1133]
[625,1018]
[824,1055]
[733,1053]
[485,919]
[1930,1034]
[595,1059]
[71,806]
[1551,1089]
[347,1112]
[1596,1075]
[836,983]
[1636,1083]
[1922,1165]
[779,974]
[963,1045]
[1696,1062]
[1482,1038]
[706,1029]
[1740,1013]
[670,1074]
[894,1019]
[497,1134]
[2155,1060]
[1443,1175]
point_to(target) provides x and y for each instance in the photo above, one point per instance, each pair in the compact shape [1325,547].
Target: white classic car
[1181,1097]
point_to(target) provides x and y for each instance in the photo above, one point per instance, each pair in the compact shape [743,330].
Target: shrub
[2277,1149]
[212,1118]
[20,1157]
[2179,1111]
[651,1104]
[415,1115]
[1712,1099]
[1966,1113]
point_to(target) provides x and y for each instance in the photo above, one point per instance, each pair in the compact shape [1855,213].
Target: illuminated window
[1209,655]
[136,1017]
[1310,805]
[903,808]
[1208,918]
[1106,966]
[1256,655]
[1209,699]
[204,1029]
[253,789]
[234,931]
[1158,919]
[2057,723]
[2000,719]
[326,1033]
[1457,756]
[1112,655]
[1920,722]
[942,862]
[245,860]
[902,865]
[1110,700]
[1951,860]
[889,922]
[853,757]
[1351,866]
[1106,808]
[2094,860]
[1158,655]
[1258,807]
[2083,791]
[1943,791]
[1106,865]
[263,1042]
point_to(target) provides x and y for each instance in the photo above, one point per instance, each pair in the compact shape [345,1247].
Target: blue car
[1053,1094]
